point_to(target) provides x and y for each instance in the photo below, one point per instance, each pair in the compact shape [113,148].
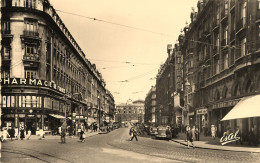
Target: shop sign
[229,138]
[31,82]
[225,104]
[202,111]
[30,115]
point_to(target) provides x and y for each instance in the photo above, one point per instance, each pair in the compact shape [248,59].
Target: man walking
[133,134]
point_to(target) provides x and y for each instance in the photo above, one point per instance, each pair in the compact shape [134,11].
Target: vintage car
[153,131]
[162,133]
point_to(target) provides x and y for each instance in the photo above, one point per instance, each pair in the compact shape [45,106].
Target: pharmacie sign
[31,82]
[229,138]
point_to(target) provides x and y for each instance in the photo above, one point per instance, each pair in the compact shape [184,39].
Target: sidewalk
[206,142]
[50,137]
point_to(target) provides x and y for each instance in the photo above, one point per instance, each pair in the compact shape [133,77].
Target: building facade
[131,111]
[221,63]
[150,106]
[45,74]
[165,88]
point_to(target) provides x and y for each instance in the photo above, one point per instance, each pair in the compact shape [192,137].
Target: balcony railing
[31,58]
[31,33]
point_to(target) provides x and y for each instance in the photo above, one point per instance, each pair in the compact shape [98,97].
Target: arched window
[248,87]
[224,92]
[236,90]
[217,95]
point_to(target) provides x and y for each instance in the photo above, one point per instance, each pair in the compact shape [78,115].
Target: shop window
[34,102]
[3,101]
[7,101]
[28,101]
[23,101]
[12,101]
[20,101]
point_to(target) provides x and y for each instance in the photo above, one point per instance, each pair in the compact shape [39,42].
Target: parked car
[153,131]
[163,132]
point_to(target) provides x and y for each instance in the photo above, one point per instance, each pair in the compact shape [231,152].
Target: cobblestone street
[115,147]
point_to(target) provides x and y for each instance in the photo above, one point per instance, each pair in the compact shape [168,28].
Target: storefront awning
[245,108]
[57,116]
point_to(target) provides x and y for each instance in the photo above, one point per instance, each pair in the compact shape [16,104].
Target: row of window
[22,101]
[130,112]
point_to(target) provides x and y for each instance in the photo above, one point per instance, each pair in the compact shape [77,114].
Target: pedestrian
[29,134]
[59,129]
[213,131]
[82,135]
[189,137]
[133,134]
[63,133]
[22,133]
[197,134]
[41,134]
[206,130]
[186,130]
[5,134]
[168,133]
[193,133]
[251,140]
[16,133]
[12,132]
[238,134]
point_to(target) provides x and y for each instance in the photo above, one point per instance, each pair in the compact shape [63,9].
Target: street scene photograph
[129,81]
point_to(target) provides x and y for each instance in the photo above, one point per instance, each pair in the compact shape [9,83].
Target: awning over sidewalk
[245,108]
[57,116]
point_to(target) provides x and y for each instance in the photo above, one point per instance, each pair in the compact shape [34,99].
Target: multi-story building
[150,106]
[110,107]
[165,88]
[222,65]
[45,74]
[131,111]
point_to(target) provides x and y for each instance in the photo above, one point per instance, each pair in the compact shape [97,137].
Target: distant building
[132,111]
[150,106]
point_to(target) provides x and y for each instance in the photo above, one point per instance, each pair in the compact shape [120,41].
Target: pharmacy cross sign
[229,138]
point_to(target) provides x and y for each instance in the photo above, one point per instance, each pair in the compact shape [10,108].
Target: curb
[214,148]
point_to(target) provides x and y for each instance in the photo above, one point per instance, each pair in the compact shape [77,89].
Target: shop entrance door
[31,124]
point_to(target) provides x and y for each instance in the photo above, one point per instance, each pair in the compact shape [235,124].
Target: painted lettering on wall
[229,138]
[32,82]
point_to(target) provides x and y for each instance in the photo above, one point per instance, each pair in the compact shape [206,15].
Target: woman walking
[22,133]
[5,135]
[189,137]
[82,135]
[12,132]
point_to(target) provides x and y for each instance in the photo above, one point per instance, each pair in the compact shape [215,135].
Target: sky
[130,42]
